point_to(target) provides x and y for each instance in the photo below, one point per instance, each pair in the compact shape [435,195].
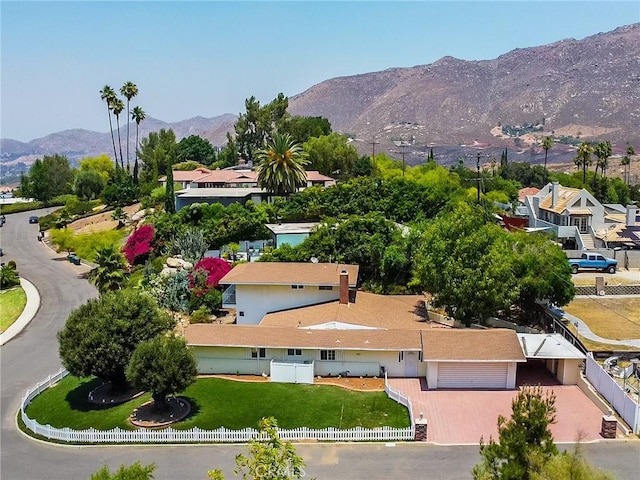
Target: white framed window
[294,352]
[258,352]
[327,354]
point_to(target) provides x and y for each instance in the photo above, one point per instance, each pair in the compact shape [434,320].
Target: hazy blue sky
[205,58]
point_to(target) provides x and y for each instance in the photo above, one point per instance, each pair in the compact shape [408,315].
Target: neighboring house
[296,321]
[577,218]
[185,177]
[625,233]
[233,185]
[292,234]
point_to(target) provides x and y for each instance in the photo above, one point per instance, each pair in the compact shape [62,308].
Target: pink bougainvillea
[213,269]
[138,244]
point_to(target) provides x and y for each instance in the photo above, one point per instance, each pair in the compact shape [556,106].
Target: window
[294,352]
[241,314]
[258,352]
[325,287]
[327,354]
[297,287]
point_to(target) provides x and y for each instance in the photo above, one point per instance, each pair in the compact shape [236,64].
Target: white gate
[291,372]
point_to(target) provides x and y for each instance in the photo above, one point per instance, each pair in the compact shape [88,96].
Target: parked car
[593,261]
[33,219]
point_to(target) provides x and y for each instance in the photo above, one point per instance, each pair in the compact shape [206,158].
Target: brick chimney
[344,287]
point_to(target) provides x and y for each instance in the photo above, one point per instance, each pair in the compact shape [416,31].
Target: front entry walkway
[458,417]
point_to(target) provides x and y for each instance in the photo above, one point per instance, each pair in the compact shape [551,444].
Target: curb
[30,310]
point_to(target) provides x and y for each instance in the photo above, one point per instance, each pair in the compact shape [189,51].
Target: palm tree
[108,95]
[583,159]
[129,90]
[547,143]
[117,106]
[109,274]
[281,168]
[626,163]
[137,115]
[603,151]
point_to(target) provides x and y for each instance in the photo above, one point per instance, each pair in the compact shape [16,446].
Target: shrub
[8,277]
[213,268]
[191,244]
[201,315]
[177,297]
[12,264]
[20,207]
[138,246]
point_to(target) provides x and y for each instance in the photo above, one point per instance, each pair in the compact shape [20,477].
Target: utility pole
[403,146]
[373,144]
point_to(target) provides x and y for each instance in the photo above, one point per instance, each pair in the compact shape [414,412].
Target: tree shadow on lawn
[78,398]
[188,422]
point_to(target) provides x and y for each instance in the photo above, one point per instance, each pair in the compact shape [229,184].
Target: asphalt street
[32,355]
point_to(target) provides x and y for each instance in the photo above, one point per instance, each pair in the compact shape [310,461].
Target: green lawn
[235,405]
[12,304]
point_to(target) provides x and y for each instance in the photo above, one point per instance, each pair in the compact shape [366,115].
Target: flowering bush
[207,273]
[138,244]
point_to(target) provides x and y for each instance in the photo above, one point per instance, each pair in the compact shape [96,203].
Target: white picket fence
[197,435]
[402,400]
[613,393]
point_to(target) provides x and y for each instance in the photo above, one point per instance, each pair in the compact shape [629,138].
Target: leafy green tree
[304,128]
[281,168]
[363,167]
[128,90]
[568,466]
[100,336]
[88,185]
[257,125]
[108,95]
[522,440]
[9,277]
[132,472]
[101,164]
[332,155]
[48,177]
[120,191]
[163,365]
[603,151]
[269,457]
[460,261]
[109,274]
[154,153]
[137,115]
[583,159]
[197,149]
[547,143]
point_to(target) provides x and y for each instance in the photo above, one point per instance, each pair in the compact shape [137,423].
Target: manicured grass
[12,303]
[612,318]
[234,405]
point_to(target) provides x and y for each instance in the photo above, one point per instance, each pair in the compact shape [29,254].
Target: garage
[471,359]
[472,375]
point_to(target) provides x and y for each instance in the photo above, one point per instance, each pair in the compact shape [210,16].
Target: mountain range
[573,90]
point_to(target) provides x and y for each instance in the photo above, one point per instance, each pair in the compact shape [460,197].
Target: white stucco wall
[255,301]
[569,371]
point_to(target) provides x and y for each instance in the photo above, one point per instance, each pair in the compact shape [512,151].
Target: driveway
[461,417]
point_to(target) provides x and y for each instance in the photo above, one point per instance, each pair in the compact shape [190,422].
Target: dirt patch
[371,384]
[103,395]
[147,416]
[101,221]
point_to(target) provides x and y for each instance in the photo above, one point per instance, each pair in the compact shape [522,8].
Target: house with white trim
[293,330]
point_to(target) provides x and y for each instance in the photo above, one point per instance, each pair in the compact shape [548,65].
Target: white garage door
[472,375]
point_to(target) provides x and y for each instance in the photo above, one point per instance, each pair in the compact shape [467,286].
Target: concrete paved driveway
[461,417]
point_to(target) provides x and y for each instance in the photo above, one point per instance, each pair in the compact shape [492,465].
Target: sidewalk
[30,310]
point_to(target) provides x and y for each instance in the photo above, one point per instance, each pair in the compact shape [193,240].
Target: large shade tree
[163,365]
[100,336]
[281,168]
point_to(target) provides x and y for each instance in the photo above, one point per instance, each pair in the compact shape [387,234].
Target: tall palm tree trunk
[128,141]
[120,142]
[546,151]
[113,140]
[135,163]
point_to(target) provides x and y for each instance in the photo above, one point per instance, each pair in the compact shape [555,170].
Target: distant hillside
[574,90]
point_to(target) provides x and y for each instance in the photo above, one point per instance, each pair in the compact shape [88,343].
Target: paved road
[30,356]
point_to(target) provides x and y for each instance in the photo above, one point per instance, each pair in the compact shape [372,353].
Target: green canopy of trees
[100,336]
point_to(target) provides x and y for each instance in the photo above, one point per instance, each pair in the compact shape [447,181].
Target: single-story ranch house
[296,321]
